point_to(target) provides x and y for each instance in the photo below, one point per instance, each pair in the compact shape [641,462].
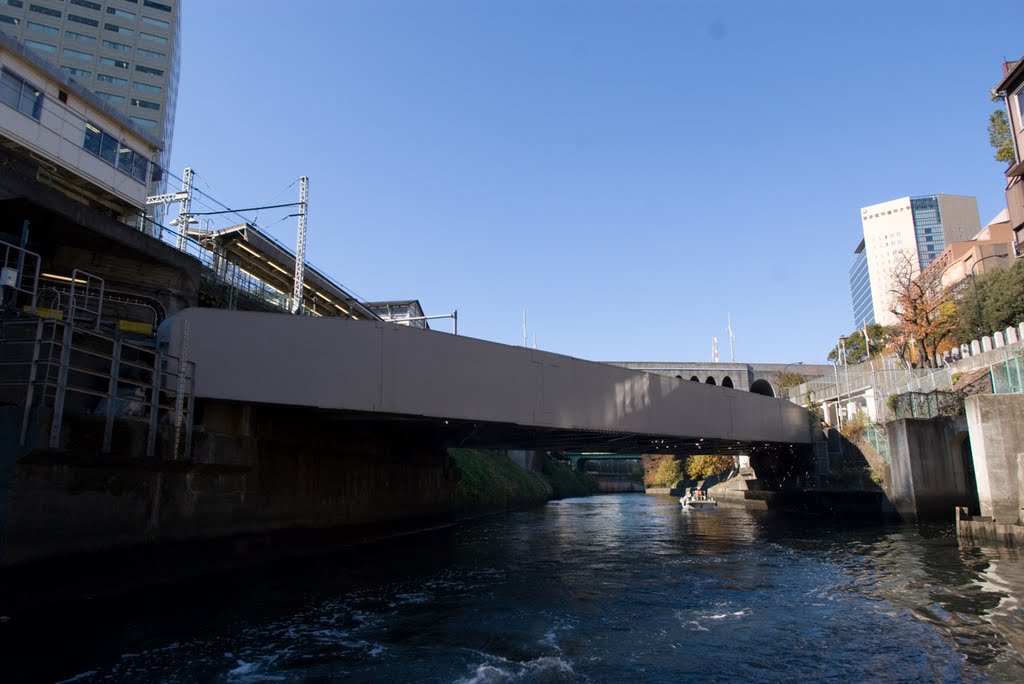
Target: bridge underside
[492,435]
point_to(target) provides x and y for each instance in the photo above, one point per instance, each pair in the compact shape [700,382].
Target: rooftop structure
[401,311]
[253,260]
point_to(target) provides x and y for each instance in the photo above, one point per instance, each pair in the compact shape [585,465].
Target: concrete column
[996,426]
[1011,336]
[997,337]
[869,401]
[986,343]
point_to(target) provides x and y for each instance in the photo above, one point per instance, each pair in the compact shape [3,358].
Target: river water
[617,588]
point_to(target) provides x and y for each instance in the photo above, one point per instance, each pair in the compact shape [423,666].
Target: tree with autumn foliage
[926,311]
[703,466]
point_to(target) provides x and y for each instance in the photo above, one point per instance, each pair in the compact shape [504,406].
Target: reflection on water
[611,588]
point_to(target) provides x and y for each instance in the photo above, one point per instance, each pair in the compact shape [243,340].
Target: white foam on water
[78,677]
[503,670]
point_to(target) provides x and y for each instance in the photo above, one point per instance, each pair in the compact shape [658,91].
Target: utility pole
[525,338]
[300,246]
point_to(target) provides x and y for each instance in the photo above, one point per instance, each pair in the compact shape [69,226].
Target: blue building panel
[927,229]
[860,289]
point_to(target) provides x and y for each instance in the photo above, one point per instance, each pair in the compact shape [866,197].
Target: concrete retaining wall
[928,473]
[278,469]
[997,442]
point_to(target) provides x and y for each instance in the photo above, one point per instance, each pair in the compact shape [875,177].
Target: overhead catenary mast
[300,246]
[714,349]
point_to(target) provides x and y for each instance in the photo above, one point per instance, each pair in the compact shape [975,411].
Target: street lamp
[974,284]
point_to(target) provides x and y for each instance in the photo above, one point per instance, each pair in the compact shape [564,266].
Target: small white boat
[696,502]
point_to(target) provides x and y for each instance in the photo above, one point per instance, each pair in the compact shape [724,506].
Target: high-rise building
[125,51]
[860,289]
[909,233]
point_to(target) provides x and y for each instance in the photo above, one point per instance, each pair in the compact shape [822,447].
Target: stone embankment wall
[255,470]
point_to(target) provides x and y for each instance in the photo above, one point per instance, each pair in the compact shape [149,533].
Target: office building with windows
[860,289]
[125,51]
[909,233]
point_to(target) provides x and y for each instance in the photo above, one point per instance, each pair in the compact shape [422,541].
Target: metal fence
[1008,376]
[926,404]
[878,440]
[60,371]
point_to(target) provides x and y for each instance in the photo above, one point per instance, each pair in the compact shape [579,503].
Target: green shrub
[489,481]
[565,482]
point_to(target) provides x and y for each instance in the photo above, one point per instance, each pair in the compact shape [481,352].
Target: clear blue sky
[629,172]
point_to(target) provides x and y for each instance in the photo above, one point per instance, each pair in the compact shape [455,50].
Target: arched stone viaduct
[759,378]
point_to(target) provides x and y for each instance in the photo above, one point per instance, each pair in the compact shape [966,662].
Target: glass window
[45,10]
[111,97]
[155,22]
[13,3]
[125,157]
[83,20]
[108,148]
[74,71]
[147,123]
[149,70]
[79,37]
[43,47]
[120,30]
[1020,109]
[150,53]
[4,19]
[116,63]
[42,28]
[140,168]
[146,87]
[157,5]
[10,88]
[77,54]
[145,105]
[122,157]
[107,78]
[86,3]
[117,46]
[120,13]
[18,93]
[155,39]
[93,136]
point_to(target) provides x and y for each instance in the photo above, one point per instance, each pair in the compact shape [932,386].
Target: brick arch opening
[710,381]
[762,387]
[694,378]
[727,381]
